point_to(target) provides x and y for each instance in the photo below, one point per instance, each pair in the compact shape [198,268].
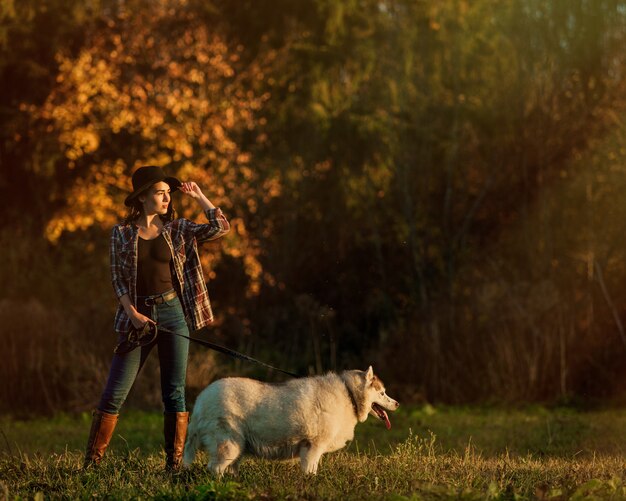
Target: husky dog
[304,418]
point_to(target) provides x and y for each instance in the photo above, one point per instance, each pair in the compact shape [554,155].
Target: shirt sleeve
[119,286]
[216,227]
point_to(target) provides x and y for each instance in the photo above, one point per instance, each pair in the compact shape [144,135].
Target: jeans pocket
[172,311]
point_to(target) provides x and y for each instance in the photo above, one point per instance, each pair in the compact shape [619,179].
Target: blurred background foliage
[431,187]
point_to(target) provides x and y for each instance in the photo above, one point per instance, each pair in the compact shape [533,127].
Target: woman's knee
[174,399]
[111,402]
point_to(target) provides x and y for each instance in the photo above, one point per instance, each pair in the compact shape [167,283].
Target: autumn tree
[155,86]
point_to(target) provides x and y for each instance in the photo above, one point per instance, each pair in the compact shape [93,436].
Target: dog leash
[226,351]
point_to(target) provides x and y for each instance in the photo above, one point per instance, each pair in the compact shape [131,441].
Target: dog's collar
[352,399]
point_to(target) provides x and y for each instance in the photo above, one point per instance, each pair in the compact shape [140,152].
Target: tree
[154,86]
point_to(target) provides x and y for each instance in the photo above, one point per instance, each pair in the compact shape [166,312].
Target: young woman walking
[157,278]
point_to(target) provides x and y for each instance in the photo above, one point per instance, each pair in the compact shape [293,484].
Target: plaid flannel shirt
[182,236]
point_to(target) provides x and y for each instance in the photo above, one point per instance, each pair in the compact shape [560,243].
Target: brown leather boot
[102,426]
[175,432]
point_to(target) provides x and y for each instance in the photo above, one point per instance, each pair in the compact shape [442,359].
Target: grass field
[430,453]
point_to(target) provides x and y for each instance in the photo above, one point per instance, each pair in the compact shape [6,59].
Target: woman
[157,277]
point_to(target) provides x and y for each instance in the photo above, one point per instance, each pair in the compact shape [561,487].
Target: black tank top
[153,266]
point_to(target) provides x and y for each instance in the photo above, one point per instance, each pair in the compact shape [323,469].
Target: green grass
[430,453]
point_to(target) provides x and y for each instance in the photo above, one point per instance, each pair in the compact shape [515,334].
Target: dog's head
[380,401]
[369,393]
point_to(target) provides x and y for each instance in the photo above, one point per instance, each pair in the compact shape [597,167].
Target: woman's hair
[136,210]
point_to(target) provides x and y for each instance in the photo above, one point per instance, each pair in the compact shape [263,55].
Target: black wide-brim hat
[146,176]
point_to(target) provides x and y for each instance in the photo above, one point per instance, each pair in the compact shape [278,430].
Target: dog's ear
[369,374]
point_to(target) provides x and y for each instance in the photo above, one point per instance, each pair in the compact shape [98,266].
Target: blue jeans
[172,349]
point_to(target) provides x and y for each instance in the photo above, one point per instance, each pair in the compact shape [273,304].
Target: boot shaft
[175,433]
[102,427]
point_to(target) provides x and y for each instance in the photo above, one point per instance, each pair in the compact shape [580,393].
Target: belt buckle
[149,301]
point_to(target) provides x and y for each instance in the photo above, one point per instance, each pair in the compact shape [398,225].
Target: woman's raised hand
[192,189]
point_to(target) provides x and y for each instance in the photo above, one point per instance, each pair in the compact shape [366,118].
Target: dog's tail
[191,445]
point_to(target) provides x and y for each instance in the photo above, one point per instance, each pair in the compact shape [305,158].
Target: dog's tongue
[380,412]
[386,419]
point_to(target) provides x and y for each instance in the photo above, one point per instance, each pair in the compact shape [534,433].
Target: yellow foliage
[179,98]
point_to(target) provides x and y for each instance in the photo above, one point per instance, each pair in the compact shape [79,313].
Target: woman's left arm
[217,225]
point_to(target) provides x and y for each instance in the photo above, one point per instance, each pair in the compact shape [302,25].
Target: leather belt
[159,299]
